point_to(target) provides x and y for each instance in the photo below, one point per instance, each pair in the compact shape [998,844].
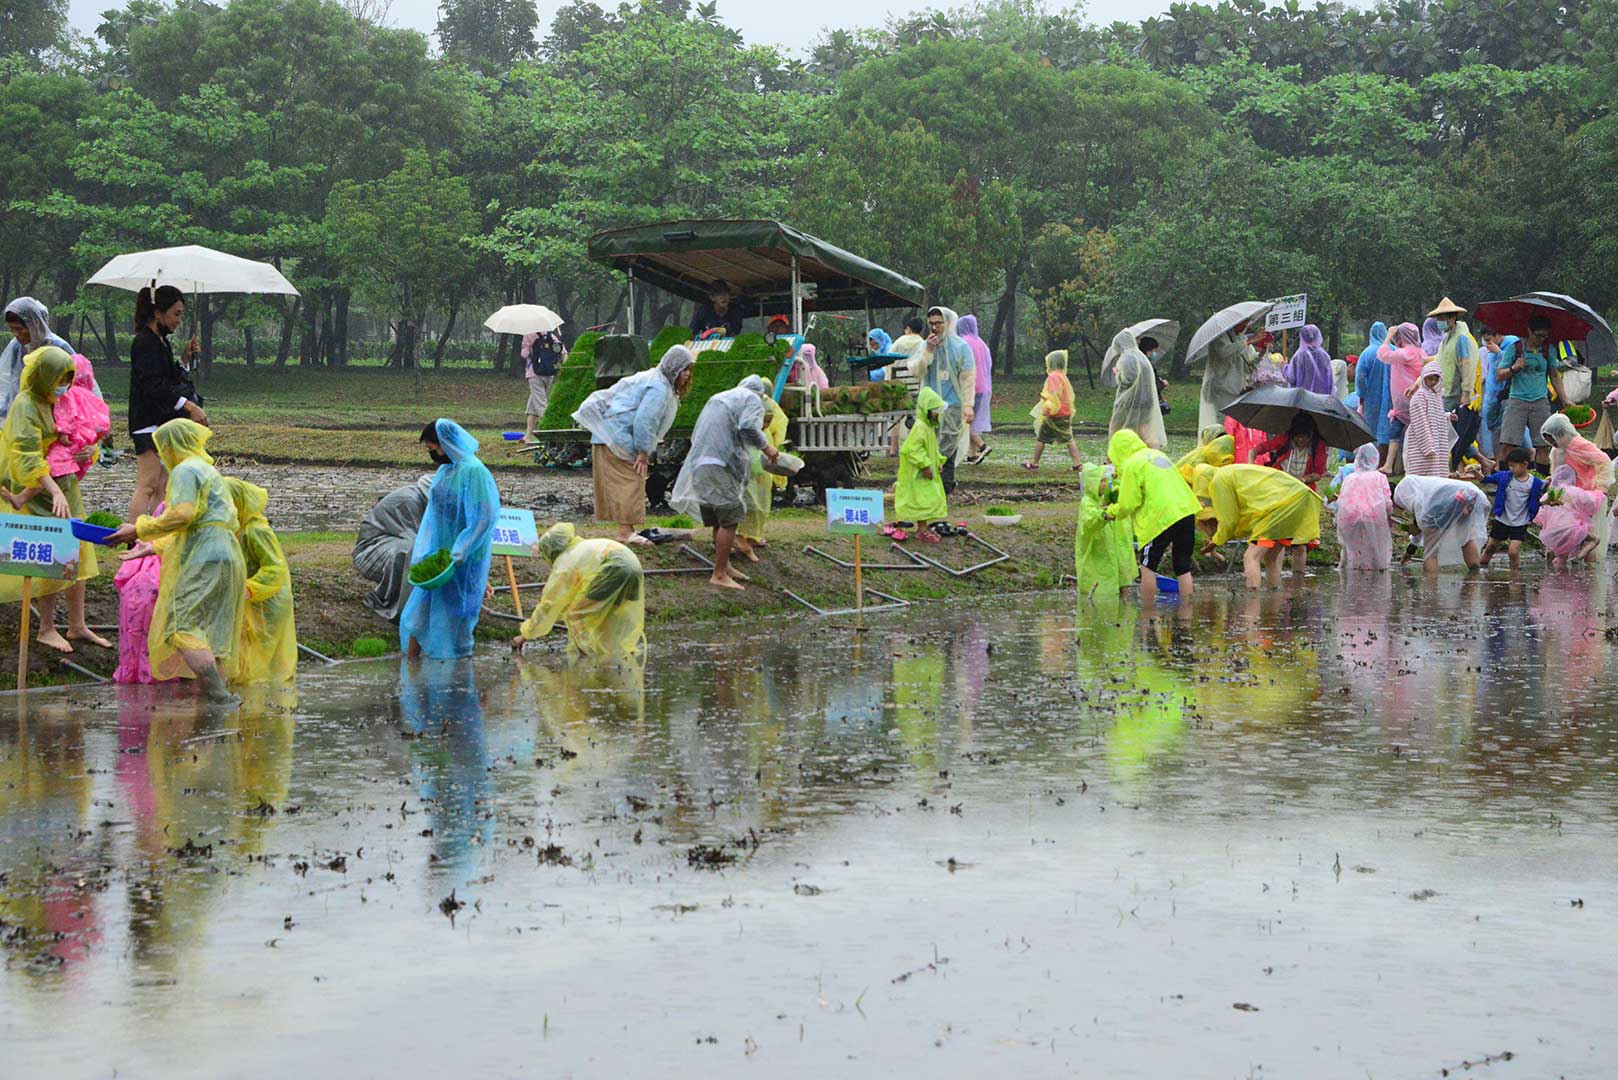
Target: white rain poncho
[1591,467]
[1230,364]
[951,372]
[1450,514]
[1363,502]
[1135,406]
[36,317]
[718,465]
[631,416]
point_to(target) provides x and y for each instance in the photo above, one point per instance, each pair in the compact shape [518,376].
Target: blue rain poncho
[878,341]
[950,370]
[36,317]
[1371,382]
[461,510]
[631,416]
[718,464]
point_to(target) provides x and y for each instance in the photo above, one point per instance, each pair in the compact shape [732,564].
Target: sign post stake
[511,579]
[23,633]
[859,584]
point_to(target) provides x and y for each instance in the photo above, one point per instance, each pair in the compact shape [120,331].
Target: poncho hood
[44,370]
[557,539]
[179,440]
[250,499]
[1124,445]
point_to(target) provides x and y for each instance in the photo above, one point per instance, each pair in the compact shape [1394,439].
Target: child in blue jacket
[1516,502]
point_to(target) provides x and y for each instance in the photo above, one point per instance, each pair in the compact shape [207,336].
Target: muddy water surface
[1365,832]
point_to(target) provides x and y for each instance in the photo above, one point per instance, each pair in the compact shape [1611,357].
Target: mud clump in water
[704,857]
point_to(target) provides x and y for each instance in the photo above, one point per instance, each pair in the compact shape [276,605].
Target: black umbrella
[1273,409]
[1600,346]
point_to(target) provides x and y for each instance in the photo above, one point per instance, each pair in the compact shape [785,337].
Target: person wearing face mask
[462,506]
[160,388]
[29,323]
[30,489]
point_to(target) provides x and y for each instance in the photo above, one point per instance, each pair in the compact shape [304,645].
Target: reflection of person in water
[440,710]
[47,895]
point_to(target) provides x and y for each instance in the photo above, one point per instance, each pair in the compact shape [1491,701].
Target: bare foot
[720,582]
[738,575]
[749,554]
[86,634]
[52,639]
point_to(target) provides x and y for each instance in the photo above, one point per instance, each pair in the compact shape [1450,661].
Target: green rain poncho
[1103,558]
[30,429]
[1152,495]
[203,587]
[916,497]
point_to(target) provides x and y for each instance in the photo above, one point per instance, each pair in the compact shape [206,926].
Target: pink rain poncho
[1563,528]
[1310,367]
[1363,507]
[137,582]
[806,370]
[82,420]
[1402,353]
[967,327]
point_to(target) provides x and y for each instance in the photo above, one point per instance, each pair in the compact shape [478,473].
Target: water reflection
[143,844]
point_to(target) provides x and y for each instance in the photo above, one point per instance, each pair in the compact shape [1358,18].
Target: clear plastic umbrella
[1228,319]
[524,319]
[1166,331]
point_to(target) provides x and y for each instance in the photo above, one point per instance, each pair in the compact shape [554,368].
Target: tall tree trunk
[328,332]
[342,327]
[206,320]
[1334,334]
[67,290]
[307,341]
[289,322]
[248,352]
[449,328]
[113,356]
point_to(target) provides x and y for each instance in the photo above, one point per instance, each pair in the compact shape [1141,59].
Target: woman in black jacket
[159,389]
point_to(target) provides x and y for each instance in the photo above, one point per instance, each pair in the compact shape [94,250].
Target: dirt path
[309,498]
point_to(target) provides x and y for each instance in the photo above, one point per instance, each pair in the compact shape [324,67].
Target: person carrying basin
[597,589]
[1157,506]
[196,629]
[709,487]
[462,507]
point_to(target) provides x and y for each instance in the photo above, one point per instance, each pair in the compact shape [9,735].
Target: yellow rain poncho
[1214,448]
[203,588]
[29,432]
[1103,558]
[1151,494]
[916,497]
[597,588]
[1254,502]
[761,488]
[269,638]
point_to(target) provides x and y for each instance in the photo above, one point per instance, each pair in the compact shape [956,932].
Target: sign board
[515,532]
[853,510]
[1289,313]
[40,547]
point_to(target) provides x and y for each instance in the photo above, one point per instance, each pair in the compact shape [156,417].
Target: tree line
[1057,177]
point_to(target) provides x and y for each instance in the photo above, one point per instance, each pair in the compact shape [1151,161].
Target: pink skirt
[137,582]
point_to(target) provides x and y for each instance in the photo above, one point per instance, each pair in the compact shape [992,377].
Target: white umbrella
[1246,312]
[193,269]
[523,319]
[1166,331]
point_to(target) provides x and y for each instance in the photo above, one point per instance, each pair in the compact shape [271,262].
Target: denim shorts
[1396,430]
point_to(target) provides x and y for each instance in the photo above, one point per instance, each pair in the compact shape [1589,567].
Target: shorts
[143,443]
[721,517]
[1396,430]
[1054,429]
[539,393]
[1500,531]
[1526,414]
[1181,538]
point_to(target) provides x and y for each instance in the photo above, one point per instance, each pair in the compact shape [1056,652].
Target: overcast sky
[764,21]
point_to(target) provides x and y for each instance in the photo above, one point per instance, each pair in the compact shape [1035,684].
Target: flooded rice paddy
[1342,832]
